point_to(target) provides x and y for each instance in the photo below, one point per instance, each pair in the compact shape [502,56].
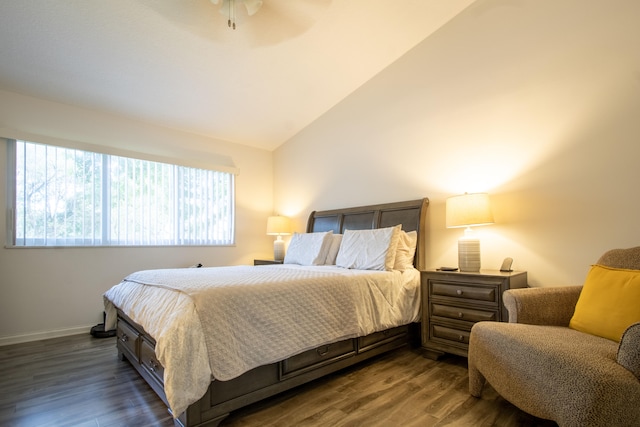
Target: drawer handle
[459,291]
[124,338]
[322,351]
[460,315]
[461,338]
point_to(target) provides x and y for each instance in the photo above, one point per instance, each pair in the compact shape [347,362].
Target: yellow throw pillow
[609,302]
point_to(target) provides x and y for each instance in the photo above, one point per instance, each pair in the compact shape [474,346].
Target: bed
[211,340]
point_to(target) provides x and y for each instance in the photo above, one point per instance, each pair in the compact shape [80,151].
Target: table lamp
[278,226]
[469,210]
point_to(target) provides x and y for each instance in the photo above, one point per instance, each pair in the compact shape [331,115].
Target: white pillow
[308,248]
[406,250]
[332,253]
[369,249]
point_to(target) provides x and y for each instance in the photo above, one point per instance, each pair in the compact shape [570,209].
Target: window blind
[71,197]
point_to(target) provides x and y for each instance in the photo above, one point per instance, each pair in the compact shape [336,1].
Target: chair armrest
[629,349]
[542,306]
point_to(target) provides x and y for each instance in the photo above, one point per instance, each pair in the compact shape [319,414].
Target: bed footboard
[222,397]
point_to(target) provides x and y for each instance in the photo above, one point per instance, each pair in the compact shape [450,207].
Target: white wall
[48,292]
[536,102]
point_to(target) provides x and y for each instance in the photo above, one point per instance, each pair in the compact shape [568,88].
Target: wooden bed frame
[222,397]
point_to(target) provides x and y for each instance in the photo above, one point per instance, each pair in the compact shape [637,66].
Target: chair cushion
[556,373]
[608,303]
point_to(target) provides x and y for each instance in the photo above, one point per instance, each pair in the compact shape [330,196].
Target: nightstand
[453,301]
[266,261]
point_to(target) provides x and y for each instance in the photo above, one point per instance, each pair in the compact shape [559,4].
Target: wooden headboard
[411,214]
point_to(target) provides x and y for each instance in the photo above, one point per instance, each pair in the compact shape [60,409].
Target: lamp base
[278,249]
[469,254]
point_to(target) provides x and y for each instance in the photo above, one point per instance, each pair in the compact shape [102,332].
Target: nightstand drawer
[460,313]
[455,290]
[450,334]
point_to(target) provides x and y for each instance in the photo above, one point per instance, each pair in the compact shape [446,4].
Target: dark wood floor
[79,381]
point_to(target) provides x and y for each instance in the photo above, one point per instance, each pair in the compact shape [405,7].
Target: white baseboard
[37,336]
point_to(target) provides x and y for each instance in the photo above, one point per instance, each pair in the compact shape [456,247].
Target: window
[68,197]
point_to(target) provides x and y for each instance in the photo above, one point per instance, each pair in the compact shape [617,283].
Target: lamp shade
[278,225]
[469,210]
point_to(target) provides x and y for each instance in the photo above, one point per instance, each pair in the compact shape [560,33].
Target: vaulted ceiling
[176,63]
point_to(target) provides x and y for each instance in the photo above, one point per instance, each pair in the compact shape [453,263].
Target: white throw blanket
[224,321]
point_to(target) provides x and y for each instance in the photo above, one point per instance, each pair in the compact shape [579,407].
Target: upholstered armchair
[561,373]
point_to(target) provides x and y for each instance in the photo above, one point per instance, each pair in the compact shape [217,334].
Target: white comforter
[221,322]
